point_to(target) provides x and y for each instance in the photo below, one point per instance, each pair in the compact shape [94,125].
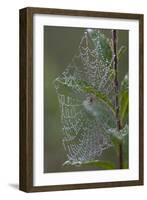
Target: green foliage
[94,163]
[100,164]
[124,100]
[121,52]
[86,88]
[125,151]
[102,97]
[121,138]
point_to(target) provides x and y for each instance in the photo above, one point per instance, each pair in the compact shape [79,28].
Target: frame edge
[141,99]
[26,102]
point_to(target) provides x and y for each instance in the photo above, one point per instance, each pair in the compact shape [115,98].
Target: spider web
[85,119]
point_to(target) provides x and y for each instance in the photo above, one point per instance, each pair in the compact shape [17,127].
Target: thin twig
[116,86]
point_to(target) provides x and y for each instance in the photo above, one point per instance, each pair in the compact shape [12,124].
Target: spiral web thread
[85,133]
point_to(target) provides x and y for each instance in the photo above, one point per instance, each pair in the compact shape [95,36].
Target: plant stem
[115,64]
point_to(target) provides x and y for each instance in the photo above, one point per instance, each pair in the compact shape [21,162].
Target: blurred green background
[60,45]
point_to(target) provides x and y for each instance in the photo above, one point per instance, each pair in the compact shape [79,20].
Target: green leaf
[102,97]
[119,137]
[124,100]
[124,107]
[85,87]
[124,83]
[115,139]
[100,164]
[121,51]
[125,152]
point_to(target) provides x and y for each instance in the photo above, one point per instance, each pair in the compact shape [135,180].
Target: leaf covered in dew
[102,45]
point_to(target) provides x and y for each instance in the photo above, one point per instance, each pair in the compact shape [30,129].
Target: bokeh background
[60,45]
